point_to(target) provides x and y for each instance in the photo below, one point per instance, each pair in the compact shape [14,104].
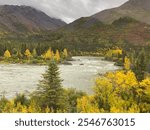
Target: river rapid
[18,78]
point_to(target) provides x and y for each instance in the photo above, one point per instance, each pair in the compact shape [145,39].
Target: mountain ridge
[16,18]
[136,9]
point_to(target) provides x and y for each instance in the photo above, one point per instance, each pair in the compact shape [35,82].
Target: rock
[66,63]
[81,64]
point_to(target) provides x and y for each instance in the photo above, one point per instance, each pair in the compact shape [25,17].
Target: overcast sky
[67,10]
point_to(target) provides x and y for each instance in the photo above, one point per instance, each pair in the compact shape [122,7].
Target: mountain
[90,34]
[136,9]
[15,18]
[101,31]
[128,24]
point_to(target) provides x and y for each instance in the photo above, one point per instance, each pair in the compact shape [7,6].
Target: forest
[125,90]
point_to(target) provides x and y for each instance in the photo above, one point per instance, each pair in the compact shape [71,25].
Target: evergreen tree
[140,66]
[19,55]
[50,89]
[34,53]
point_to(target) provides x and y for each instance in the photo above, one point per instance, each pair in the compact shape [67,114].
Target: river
[18,78]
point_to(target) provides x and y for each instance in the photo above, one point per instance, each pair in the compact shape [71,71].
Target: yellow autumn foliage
[48,54]
[57,56]
[145,84]
[65,53]
[27,53]
[122,79]
[7,54]
[87,105]
[127,63]
[114,52]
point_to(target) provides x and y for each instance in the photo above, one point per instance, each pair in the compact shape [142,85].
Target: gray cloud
[67,10]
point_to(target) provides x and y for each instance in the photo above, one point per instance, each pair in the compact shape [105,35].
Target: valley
[55,67]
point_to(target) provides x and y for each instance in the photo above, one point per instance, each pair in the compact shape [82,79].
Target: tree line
[138,60]
[33,57]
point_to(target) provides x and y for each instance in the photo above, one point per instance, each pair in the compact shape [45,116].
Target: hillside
[84,34]
[21,19]
[128,24]
[90,33]
[136,9]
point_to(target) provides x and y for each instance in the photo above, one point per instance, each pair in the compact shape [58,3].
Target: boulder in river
[66,63]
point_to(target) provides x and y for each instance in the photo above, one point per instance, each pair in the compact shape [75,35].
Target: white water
[16,78]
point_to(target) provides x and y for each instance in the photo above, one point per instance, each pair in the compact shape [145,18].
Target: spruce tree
[140,66]
[50,89]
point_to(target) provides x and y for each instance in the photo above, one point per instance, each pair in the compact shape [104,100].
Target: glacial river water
[16,78]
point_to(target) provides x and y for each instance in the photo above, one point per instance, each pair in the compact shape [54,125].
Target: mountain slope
[26,19]
[90,35]
[136,9]
[129,23]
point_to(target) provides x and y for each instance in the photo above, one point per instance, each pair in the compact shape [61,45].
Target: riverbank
[22,78]
[36,61]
